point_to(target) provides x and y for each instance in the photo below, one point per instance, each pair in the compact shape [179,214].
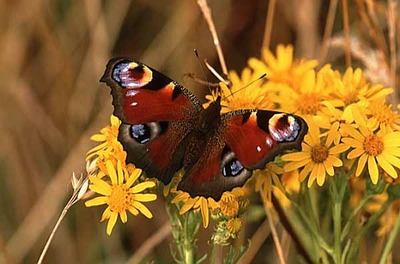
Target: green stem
[390,242]
[338,189]
[371,221]
[187,241]
[337,211]
[214,253]
[311,227]
[352,217]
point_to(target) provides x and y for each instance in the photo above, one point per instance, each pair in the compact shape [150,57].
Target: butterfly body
[165,128]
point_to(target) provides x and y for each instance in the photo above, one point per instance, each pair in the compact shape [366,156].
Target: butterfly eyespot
[143,133]
[140,133]
[131,75]
[283,127]
[231,166]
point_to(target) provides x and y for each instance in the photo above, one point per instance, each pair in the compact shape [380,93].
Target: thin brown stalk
[207,16]
[380,37]
[392,5]
[346,30]
[76,196]
[43,210]
[328,30]
[162,233]
[268,24]
[288,226]
[274,233]
[257,241]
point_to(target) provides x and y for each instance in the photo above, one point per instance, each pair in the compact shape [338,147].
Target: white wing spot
[268,141]
[258,148]
[131,92]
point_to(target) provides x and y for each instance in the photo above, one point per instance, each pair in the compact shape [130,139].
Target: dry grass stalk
[328,31]
[346,31]
[207,16]
[269,24]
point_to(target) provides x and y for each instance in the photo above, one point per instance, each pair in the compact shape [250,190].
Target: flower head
[120,194]
[239,96]
[318,157]
[197,203]
[282,68]
[379,149]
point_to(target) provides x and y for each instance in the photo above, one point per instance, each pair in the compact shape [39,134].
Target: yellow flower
[109,147]
[281,69]
[382,116]
[206,204]
[377,148]
[108,138]
[309,99]
[317,158]
[353,87]
[229,206]
[197,203]
[121,195]
[266,178]
[388,219]
[242,94]
[234,226]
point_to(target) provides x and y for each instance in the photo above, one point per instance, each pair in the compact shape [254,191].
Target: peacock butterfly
[165,128]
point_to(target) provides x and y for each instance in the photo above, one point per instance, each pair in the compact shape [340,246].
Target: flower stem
[187,241]
[337,229]
[390,242]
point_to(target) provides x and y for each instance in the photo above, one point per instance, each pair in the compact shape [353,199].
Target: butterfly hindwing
[156,114]
[246,140]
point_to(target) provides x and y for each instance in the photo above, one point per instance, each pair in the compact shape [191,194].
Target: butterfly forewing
[156,113]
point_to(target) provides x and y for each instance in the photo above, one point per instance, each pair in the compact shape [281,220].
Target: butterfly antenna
[203,72]
[247,85]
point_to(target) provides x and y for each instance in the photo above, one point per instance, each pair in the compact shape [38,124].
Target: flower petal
[111,223]
[96,201]
[361,164]
[111,172]
[373,169]
[99,186]
[133,177]
[120,173]
[204,213]
[386,166]
[355,153]
[133,210]
[320,174]
[295,165]
[142,186]
[123,216]
[143,209]
[144,197]
[297,156]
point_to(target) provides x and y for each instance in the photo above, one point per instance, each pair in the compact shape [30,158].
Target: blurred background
[52,54]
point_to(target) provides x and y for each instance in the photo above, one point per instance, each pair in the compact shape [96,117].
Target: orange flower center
[309,103]
[234,225]
[119,199]
[319,153]
[383,114]
[373,145]
[351,97]
[229,206]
